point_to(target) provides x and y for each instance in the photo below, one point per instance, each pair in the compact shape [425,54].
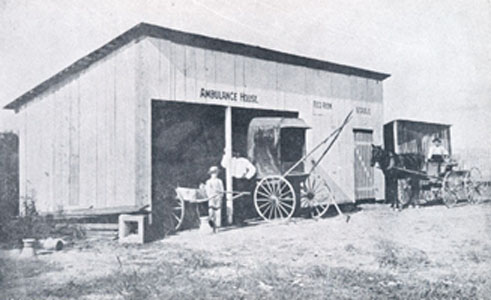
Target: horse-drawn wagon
[411,175]
[276,147]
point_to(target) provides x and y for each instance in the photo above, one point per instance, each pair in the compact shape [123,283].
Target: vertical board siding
[124,168]
[99,83]
[77,140]
[179,65]
[44,152]
[74,136]
[88,142]
[191,74]
[200,73]
[144,68]
[225,71]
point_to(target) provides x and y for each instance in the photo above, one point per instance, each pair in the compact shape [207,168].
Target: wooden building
[154,105]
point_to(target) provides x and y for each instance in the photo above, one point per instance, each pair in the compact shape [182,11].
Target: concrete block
[132,228]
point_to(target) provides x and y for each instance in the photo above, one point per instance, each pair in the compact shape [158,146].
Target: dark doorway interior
[186,140]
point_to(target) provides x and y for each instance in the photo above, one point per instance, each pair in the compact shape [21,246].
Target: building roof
[190,39]
[424,123]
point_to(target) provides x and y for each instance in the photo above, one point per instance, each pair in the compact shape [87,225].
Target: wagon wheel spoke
[176,217]
[282,190]
[283,209]
[286,193]
[271,211]
[279,187]
[287,205]
[266,207]
[268,188]
[263,194]
[314,185]
[264,204]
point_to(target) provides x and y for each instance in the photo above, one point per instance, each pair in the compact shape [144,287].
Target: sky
[438,52]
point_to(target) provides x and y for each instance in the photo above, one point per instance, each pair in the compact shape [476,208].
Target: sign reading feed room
[228,96]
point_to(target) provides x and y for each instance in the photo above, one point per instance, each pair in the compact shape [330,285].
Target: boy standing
[214,192]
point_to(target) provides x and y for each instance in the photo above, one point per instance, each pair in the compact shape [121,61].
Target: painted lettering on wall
[363,110]
[322,105]
[228,96]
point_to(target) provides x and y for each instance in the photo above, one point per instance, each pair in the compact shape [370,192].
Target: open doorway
[186,140]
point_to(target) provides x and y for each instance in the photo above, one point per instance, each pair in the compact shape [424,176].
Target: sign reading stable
[227,96]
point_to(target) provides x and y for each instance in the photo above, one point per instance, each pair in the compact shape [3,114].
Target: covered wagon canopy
[407,136]
[263,143]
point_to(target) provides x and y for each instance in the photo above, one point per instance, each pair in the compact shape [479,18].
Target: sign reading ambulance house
[228,96]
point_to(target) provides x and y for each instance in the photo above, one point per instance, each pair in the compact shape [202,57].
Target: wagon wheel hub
[310,196]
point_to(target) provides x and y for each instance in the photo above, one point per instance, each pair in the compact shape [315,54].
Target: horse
[390,163]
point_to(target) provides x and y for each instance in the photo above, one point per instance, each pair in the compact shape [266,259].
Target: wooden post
[22,162]
[396,138]
[228,173]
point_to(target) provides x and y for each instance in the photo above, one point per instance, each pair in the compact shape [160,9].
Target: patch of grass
[183,276]
[21,275]
[393,255]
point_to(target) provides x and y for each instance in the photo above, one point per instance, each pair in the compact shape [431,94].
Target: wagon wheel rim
[449,190]
[177,212]
[472,183]
[274,198]
[315,195]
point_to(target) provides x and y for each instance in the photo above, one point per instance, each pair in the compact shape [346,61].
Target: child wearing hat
[214,192]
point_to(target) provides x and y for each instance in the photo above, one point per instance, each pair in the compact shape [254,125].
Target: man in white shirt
[243,171]
[437,152]
[240,167]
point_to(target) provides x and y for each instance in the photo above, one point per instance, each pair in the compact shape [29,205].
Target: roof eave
[144,29]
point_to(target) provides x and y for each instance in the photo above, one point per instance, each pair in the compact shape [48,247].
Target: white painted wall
[77,140]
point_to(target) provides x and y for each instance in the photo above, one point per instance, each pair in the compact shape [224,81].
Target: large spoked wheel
[315,195]
[274,198]
[177,212]
[450,189]
[472,182]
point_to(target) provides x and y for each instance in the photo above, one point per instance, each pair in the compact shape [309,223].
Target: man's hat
[436,139]
[213,169]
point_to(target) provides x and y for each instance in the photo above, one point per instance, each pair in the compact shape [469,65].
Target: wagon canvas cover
[263,143]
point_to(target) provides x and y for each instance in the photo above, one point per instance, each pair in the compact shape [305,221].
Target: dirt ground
[429,252]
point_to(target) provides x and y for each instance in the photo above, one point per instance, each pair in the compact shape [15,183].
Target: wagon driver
[437,152]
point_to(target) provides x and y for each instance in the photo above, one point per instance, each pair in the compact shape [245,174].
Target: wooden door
[364,181]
